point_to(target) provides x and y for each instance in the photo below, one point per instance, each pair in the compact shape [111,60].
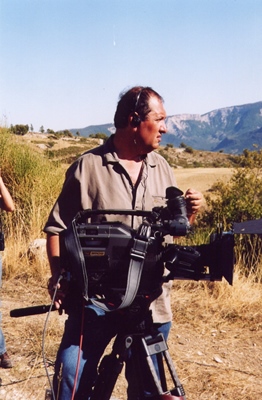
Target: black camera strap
[137,257]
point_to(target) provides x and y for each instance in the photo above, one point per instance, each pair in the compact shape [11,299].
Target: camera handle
[143,347]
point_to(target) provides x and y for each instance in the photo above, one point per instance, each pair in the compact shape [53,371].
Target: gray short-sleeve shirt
[97,180]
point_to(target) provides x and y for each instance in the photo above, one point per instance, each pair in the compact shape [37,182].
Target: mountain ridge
[229,129]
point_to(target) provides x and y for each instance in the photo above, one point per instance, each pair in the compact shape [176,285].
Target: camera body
[105,251]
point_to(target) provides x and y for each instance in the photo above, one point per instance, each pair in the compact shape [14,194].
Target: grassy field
[201,179]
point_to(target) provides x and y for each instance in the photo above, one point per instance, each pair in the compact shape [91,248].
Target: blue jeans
[2,339]
[98,331]
[97,334]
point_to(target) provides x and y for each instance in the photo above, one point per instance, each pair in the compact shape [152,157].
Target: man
[124,173]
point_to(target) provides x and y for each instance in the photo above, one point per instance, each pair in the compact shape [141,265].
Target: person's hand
[61,287]
[194,201]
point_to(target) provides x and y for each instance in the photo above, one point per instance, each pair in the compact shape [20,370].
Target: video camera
[101,256]
[113,264]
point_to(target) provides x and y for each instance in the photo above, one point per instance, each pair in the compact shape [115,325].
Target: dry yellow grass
[201,178]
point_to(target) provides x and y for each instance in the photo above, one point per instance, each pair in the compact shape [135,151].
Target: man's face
[149,132]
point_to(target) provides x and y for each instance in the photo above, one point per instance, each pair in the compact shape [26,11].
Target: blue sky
[63,63]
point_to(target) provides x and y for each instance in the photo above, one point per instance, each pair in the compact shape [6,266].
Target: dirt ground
[214,358]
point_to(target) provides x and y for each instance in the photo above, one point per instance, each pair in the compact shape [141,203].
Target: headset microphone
[136,120]
[136,117]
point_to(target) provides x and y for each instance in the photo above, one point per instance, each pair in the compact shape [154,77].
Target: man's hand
[61,286]
[194,201]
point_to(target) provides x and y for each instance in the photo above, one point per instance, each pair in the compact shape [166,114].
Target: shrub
[99,135]
[19,129]
[239,200]
[189,150]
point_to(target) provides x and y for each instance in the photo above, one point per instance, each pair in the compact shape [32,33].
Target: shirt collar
[111,156]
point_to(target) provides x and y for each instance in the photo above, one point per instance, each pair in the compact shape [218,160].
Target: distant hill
[231,129]
[107,129]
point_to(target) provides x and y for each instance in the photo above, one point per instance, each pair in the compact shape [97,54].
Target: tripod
[149,354]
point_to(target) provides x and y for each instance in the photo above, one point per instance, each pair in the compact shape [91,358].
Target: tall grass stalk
[222,303]
[34,183]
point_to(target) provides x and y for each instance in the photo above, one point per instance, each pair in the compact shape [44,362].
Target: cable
[79,351]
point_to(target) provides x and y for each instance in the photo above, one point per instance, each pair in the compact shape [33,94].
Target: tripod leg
[156,346]
[179,390]
[110,368]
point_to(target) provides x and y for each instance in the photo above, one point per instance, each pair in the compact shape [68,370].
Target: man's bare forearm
[53,253]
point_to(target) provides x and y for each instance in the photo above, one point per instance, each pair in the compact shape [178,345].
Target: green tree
[67,133]
[50,131]
[19,129]
[99,135]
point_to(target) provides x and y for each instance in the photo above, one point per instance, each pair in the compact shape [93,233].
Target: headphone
[136,117]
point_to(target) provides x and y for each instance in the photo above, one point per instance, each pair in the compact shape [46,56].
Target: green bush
[19,129]
[238,201]
[241,198]
[189,150]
